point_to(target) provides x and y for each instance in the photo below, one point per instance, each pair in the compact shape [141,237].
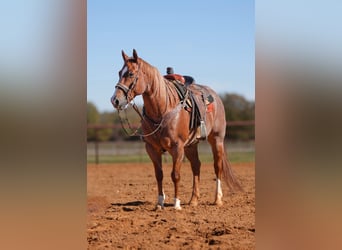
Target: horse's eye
[130,74]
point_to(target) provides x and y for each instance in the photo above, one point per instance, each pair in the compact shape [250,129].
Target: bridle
[130,100]
[128,90]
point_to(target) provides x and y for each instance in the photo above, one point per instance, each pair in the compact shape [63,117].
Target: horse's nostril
[117,102]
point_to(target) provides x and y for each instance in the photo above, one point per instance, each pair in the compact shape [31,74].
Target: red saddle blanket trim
[210,107]
[175,77]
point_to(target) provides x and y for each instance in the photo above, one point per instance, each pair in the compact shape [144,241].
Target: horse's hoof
[159,207]
[218,203]
[177,205]
[193,203]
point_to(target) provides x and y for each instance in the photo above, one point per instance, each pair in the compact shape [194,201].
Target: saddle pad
[210,107]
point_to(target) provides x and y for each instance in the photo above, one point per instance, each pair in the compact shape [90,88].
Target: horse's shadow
[133,205]
[129,204]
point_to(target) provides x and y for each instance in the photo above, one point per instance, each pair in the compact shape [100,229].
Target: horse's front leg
[155,156]
[177,157]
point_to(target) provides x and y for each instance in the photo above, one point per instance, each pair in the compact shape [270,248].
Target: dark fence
[98,127]
[229,124]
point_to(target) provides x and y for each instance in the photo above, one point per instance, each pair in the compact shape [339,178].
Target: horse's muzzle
[118,103]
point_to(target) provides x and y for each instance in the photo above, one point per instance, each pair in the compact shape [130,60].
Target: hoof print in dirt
[213,242]
[219,231]
[127,209]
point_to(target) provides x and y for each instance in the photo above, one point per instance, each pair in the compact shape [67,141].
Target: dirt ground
[122,215]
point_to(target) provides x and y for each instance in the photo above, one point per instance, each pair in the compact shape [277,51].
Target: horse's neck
[155,99]
[158,100]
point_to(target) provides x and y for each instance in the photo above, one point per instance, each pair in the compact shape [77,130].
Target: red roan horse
[166,126]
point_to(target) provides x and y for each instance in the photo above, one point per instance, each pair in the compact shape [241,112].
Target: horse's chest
[159,142]
[175,128]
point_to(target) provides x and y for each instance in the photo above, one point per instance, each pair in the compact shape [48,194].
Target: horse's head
[129,84]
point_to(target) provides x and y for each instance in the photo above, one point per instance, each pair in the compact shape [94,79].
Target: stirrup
[202,133]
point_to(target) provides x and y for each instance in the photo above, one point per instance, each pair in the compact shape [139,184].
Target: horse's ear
[135,55]
[124,56]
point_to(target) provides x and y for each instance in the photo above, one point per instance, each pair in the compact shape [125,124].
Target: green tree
[93,117]
[239,109]
[105,134]
[92,113]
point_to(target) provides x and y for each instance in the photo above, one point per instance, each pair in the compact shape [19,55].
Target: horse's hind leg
[191,153]
[157,163]
[217,146]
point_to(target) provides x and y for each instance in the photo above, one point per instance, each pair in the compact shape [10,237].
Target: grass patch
[119,158]
[234,157]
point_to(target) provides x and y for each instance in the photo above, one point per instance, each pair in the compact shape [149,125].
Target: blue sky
[211,41]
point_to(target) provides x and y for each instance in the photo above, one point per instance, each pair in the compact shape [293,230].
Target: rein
[127,91]
[135,133]
[143,116]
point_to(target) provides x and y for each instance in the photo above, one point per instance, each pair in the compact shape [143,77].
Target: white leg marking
[177,204]
[219,193]
[161,199]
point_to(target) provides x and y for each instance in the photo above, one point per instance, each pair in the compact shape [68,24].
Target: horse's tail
[229,176]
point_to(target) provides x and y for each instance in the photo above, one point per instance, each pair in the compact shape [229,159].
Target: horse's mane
[159,81]
[150,71]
